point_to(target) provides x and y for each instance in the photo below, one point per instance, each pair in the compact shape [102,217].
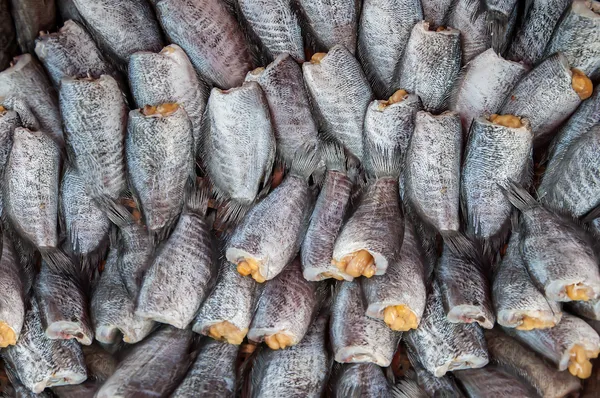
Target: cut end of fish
[400,318]
[579,361]
[279,341]
[317,58]
[398,96]
[360,263]
[226,331]
[257,71]
[510,121]
[470,314]
[531,323]
[2,109]
[581,84]
[65,330]
[162,110]
[63,378]
[579,292]
[7,335]
[250,266]
[440,29]
[359,354]
[168,50]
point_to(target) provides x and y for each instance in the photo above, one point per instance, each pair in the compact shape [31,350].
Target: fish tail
[334,156]
[115,212]
[197,196]
[463,247]
[385,162]
[518,196]
[305,162]
[496,26]
[60,263]
[408,387]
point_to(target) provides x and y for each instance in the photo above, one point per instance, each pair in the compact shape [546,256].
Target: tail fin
[197,196]
[335,158]
[384,162]
[518,196]
[305,162]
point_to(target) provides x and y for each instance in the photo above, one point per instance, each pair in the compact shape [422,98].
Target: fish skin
[482,86]
[330,22]
[519,360]
[356,338]
[27,81]
[383,32]
[515,295]
[361,380]
[153,367]
[40,362]
[238,125]
[210,36]
[213,373]
[31,17]
[432,189]
[298,371]
[169,77]
[494,381]
[431,63]
[12,301]
[9,120]
[133,22]
[544,96]
[339,76]
[576,35]
[443,346]
[8,45]
[293,124]
[475,35]
[494,154]
[402,284]
[67,10]
[586,309]
[444,386]
[436,11]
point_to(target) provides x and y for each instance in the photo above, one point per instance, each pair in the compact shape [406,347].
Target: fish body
[586,309]
[361,380]
[12,306]
[67,10]
[9,120]
[436,11]
[473,25]
[7,33]
[494,381]
[32,17]
[434,386]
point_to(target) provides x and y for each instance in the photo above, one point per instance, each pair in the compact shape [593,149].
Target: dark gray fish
[13,387]
[360,380]
[576,36]
[270,235]
[154,367]
[293,124]
[299,371]
[383,32]
[40,362]
[431,63]
[443,346]
[432,170]
[482,86]
[492,381]
[213,374]
[27,81]
[12,307]
[9,120]
[211,37]
[547,96]
[519,360]
[340,95]
[356,337]
[8,44]
[31,17]
[67,10]
[588,309]
[444,386]
[132,22]
[169,77]
[475,35]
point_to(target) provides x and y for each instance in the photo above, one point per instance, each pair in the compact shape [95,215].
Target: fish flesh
[383,32]
[436,11]
[340,94]
[210,36]
[270,235]
[432,170]
[169,77]
[7,35]
[355,337]
[293,124]
[32,17]
[398,296]
[213,373]
[132,22]
[431,63]
[482,85]
[494,381]
[360,380]
[286,308]
[12,300]
[444,386]
[475,35]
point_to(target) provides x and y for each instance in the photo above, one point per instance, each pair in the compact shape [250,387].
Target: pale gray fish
[8,44]
[26,116]
[443,386]
[299,371]
[340,94]
[271,233]
[286,308]
[430,65]
[493,381]
[398,297]
[519,360]
[328,23]
[355,337]
[577,35]
[517,301]
[167,77]
[482,86]
[238,145]
[180,276]
[228,310]
[568,345]
[436,11]
[9,120]
[475,35]
[30,18]
[40,362]
[12,301]
[432,170]
[27,81]
[211,37]
[213,373]
[499,149]
[558,252]
[545,96]
[154,367]
[443,346]
[587,309]
[365,380]
[383,32]
[293,124]
[535,30]
[275,24]
[121,28]
[327,218]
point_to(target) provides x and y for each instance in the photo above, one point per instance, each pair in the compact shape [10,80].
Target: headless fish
[31,17]
[494,381]
[474,32]
[436,11]
[444,386]
[586,309]
[7,35]
[360,380]
[9,120]
[12,301]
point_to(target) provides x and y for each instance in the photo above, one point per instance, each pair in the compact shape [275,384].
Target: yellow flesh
[225,331]
[440,29]
[317,57]
[167,50]
[162,109]
[506,121]
[398,96]
[257,71]
[357,264]
[326,275]
[529,323]
[400,318]
[2,109]
[7,335]
[581,84]
[250,266]
[577,292]
[579,364]
[278,341]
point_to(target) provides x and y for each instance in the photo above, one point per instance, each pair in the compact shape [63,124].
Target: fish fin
[518,196]
[496,27]
[115,212]
[60,263]
[463,247]
[384,162]
[305,162]
[408,388]
[335,158]
[591,215]
[197,196]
